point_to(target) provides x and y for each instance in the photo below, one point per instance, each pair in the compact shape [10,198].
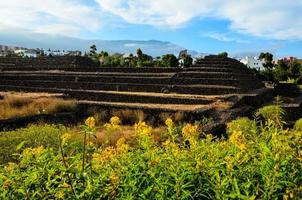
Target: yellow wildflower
[33,151]
[166,143]
[122,147]
[65,137]
[115,121]
[114,179]
[66,185]
[10,167]
[142,128]
[229,162]
[90,122]
[237,139]
[169,122]
[190,131]
[60,194]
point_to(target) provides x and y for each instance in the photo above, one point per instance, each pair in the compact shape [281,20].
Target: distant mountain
[45,41]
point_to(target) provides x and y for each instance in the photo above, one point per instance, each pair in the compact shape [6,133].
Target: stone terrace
[197,88]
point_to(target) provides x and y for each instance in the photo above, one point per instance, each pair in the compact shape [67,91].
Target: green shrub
[272,113]
[32,136]
[245,125]
[298,125]
[266,166]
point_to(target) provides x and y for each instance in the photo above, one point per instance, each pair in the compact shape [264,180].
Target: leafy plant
[263,164]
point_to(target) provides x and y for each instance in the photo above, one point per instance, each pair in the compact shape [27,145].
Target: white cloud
[223,37]
[277,19]
[54,16]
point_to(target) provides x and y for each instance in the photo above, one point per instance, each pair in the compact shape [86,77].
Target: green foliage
[244,124]
[280,73]
[169,60]
[93,53]
[268,58]
[287,70]
[298,125]
[267,74]
[265,166]
[33,136]
[223,54]
[272,113]
[294,69]
[187,61]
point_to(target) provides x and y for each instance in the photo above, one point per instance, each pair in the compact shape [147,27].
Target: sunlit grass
[12,106]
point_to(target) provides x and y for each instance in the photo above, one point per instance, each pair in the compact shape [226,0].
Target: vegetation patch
[14,105]
[257,161]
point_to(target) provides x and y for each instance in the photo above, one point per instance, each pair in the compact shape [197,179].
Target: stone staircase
[194,88]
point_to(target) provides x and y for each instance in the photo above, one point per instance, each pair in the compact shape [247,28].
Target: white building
[54,53]
[31,53]
[253,62]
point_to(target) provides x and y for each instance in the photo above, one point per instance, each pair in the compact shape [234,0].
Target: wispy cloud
[273,19]
[67,17]
[223,37]
[276,19]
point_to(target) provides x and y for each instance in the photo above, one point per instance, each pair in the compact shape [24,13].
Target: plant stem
[83,158]
[66,167]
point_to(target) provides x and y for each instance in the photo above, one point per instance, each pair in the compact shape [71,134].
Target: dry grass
[14,105]
[105,138]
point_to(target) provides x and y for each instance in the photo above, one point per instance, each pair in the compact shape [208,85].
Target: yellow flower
[90,122]
[115,121]
[114,179]
[121,146]
[33,151]
[60,194]
[169,122]
[142,128]
[166,143]
[10,167]
[66,185]
[65,137]
[190,131]
[237,139]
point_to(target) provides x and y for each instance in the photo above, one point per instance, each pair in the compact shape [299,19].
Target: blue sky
[211,26]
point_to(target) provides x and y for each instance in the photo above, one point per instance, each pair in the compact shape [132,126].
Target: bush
[298,125]
[245,125]
[266,166]
[272,113]
[12,142]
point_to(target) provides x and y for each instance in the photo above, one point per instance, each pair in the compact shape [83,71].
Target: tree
[268,59]
[170,60]
[139,53]
[294,69]
[223,54]
[281,71]
[93,54]
[187,60]
[93,50]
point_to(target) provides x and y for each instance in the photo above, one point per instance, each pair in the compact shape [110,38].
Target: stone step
[188,108]
[75,78]
[198,74]
[205,89]
[104,74]
[126,79]
[130,87]
[212,69]
[12,67]
[113,96]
